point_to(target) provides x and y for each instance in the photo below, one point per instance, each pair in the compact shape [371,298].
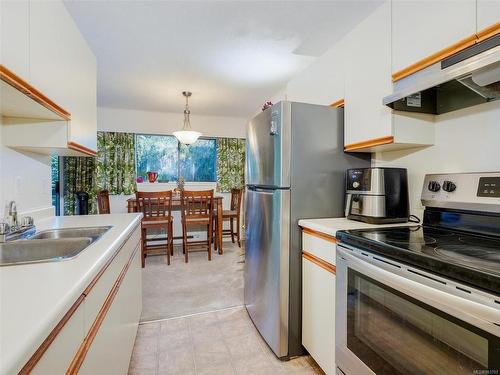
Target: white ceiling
[233,55]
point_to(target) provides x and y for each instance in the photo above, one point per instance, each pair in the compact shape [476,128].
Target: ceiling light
[187,135]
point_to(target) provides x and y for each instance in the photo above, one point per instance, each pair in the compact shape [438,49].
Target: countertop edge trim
[318,234]
[319,262]
[78,359]
[35,358]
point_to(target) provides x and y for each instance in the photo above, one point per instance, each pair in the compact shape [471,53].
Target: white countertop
[330,226]
[34,297]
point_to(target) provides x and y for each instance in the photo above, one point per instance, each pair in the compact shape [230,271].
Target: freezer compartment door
[267,265]
[268,147]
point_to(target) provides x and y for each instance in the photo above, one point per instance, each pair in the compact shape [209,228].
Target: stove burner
[415,240]
[402,238]
[472,255]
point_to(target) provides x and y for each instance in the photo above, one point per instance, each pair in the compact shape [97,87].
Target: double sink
[50,245]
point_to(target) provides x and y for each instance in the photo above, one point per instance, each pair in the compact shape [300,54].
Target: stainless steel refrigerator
[295,165]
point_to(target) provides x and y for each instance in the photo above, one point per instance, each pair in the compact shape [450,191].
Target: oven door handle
[475,313]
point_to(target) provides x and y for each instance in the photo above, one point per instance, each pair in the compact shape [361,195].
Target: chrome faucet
[12,215]
[12,230]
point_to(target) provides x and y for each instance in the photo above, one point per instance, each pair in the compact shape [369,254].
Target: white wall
[467,140]
[25,178]
[134,121]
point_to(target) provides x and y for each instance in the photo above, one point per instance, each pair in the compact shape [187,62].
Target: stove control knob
[449,186]
[434,186]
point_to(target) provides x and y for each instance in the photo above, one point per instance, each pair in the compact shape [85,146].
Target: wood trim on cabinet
[481,35]
[320,262]
[20,84]
[108,262]
[435,57]
[30,365]
[338,103]
[488,32]
[369,143]
[77,361]
[323,236]
[78,147]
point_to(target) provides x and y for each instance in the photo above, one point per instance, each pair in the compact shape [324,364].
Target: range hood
[468,78]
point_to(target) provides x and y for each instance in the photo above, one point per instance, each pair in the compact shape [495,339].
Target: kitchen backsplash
[466,141]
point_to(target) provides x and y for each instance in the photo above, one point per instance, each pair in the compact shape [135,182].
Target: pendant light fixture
[187,135]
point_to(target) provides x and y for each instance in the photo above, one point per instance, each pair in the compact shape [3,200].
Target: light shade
[187,137]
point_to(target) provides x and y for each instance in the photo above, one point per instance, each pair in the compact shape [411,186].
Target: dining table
[176,203]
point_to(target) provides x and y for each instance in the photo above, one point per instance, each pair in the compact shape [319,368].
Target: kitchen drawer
[318,314]
[96,296]
[322,247]
[61,351]
[111,348]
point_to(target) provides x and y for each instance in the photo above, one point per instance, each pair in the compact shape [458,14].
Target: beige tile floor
[220,342]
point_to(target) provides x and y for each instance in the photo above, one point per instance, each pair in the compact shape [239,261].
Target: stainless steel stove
[425,299]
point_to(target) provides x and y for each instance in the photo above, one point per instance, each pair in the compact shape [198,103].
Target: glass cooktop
[467,257]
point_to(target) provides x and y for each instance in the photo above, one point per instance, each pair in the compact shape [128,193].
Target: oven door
[395,319]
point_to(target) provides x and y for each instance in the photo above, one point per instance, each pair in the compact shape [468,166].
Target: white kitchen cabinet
[370,126]
[422,28]
[318,299]
[488,13]
[368,78]
[105,319]
[61,351]
[111,349]
[63,67]
[97,296]
[14,40]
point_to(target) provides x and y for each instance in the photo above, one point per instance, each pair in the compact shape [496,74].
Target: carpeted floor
[188,288]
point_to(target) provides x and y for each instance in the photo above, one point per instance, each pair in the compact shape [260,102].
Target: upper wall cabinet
[64,68]
[368,78]
[369,125]
[488,13]
[422,28]
[46,65]
[14,46]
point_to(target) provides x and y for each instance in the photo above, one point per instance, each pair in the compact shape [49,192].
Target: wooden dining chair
[233,215]
[103,202]
[156,208]
[197,211]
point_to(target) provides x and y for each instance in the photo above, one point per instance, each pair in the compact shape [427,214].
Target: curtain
[79,173]
[230,163]
[113,169]
[115,164]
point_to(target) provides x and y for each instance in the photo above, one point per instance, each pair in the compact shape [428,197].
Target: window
[198,161]
[56,195]
[170,159]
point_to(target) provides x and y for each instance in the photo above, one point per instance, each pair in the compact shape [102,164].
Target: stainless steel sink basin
[47,250]
[50,245]
[91,232]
